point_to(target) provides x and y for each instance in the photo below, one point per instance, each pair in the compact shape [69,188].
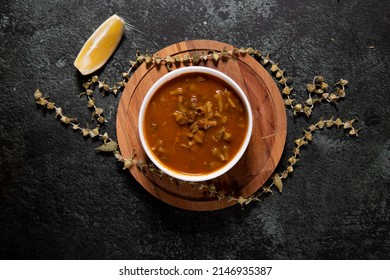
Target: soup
[195,123]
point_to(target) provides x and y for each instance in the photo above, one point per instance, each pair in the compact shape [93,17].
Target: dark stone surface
[59,199]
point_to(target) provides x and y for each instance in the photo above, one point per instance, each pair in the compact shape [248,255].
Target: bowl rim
[168,77]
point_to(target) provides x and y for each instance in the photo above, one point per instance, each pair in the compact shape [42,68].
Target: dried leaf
[308,136]
[330,122]
[128,163]
[340,92]
[284,174]
[300,142]
[85,131]
[169,60]
[212,189]
[224,54]
[215,56]
[333,97]
[342,82]
[353,132]
[94,132]
[250,50]
[38,94]
[289,101]
[348,124]
[274,68]
[101,119]
[59,112]
[220,195]
[105,137]
[311,87]
[50,105]
[279,74]
[324,86]
[266,59]
[312,127]
[235,52]
[106,87]
[267,189]
[42,101]
[140,59]
[108,147]
[186,59]
[283,81]
[241,200]
[86,85]
[338,122]
[148,59]
[242,51]
[257,53]
[319,79]
[95,79]
[297,108]
[125,75]
[100,84]
[287,90]
[278,182]
[293,160]
[141,165]
[98,111]
[91,103]
[196,58]
[118,156]
[307,110]
[321,124]
[65,119]
[309,101]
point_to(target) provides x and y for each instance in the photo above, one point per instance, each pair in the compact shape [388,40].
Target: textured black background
[59,199]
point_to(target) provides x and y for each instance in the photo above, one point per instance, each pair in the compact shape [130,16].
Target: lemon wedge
[100,46]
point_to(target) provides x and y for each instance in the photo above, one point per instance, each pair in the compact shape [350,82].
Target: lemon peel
[100,45]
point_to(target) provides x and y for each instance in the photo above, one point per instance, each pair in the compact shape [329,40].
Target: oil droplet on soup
[195,124]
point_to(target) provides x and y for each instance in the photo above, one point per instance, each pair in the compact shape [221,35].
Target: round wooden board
[264,150]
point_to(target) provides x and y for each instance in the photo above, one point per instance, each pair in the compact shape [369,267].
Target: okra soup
[195,123]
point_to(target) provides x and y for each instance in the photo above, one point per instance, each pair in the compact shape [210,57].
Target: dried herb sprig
[105,88]
[195,58]
[150,168]
[318,90]
[109,145]
[277,178]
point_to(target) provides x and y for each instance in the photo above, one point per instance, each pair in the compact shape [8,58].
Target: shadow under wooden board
[264,150]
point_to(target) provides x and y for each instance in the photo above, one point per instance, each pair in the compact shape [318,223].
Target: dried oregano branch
[277,178]
[109,145]
[89,87]
[317,90]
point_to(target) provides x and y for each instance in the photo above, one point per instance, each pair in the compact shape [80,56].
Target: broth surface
[195,123]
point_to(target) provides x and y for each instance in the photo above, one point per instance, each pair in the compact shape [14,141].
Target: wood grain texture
[263,152]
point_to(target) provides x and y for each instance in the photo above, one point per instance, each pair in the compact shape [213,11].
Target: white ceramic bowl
[166,78]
